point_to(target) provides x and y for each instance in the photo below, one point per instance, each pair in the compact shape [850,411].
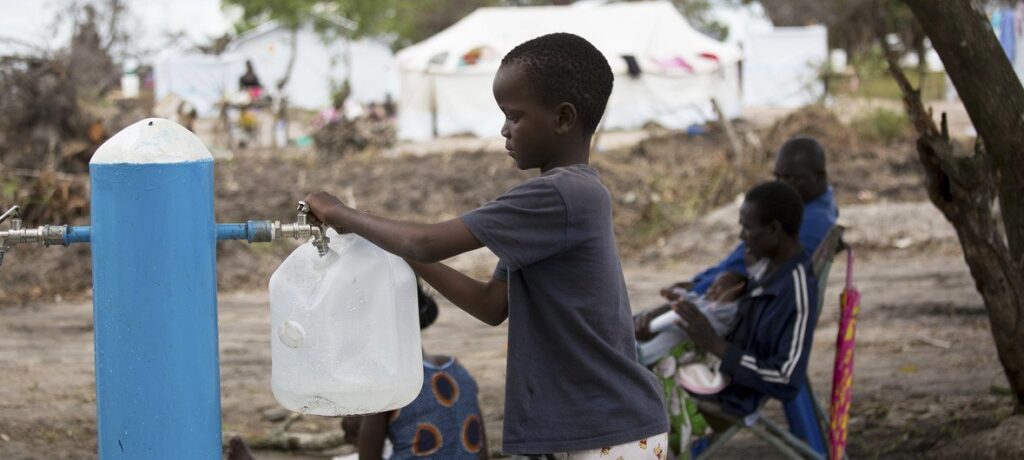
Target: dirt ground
[927,381]
[926,372]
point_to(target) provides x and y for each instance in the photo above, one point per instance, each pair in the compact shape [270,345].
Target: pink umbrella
[842,373]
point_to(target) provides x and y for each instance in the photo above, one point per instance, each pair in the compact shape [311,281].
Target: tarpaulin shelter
[665,70]
[783,67]
[203,79]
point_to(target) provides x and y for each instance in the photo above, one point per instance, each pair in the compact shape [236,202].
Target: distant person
[250,83]
[390,110]
[801,164]
[187,115]
[573,386]
[375,112]
[444,421]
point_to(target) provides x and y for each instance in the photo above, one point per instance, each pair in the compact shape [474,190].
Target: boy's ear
[565,117]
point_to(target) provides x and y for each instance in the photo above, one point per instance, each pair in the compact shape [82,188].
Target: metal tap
[302,229]
[46,235]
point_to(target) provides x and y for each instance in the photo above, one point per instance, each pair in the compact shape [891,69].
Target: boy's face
[530,125]
[761,239]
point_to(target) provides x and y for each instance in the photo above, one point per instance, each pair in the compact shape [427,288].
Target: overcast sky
[32,21]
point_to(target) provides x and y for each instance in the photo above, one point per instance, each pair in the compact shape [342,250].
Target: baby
[664,347]
[657,331]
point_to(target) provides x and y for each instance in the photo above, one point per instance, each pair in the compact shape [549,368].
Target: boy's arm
[412,241]
[486,301]
[373,429]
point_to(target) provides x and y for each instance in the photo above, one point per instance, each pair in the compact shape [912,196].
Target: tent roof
[648,30]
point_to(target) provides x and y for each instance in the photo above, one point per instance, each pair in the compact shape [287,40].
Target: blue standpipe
[154,240]
[155,295]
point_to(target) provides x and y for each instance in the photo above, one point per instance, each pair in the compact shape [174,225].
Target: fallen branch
[288,441]
[735,147]
[83,178]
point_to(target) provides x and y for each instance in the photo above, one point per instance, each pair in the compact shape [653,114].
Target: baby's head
[727,287]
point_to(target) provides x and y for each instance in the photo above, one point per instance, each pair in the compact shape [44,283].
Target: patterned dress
[444,421]
[685,422]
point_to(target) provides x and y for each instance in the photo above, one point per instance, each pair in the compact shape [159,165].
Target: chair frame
[781,439]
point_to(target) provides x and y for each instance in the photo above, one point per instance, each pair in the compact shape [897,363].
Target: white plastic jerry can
[344,329]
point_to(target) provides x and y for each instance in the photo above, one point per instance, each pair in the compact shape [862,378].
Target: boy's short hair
[778,201]
[566,68]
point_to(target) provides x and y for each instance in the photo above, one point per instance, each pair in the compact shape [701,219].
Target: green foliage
[412,21]
[698,14]
[409,21]
[876,83]
[370,16]
[882,125]
[255,12]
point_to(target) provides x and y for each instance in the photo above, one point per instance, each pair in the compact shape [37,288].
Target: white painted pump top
[153,140]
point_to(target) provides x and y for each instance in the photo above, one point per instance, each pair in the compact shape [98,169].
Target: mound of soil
[661,185]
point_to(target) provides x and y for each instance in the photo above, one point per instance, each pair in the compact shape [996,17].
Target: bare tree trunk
[965,188]
[281,114]
[294,45]
[735,146]
[922,62]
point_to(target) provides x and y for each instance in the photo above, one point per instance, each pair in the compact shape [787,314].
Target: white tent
[203,80]
[319,64]
[445,81]
[782,67]
[200,79]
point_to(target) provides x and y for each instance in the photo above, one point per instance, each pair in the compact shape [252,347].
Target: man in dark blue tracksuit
[800,163]
[766,353]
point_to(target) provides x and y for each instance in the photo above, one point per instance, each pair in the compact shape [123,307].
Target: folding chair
[807,418]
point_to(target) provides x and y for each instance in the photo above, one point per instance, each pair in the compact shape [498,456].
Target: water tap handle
[320,239]
[5,242]
[14,214]
[303,213]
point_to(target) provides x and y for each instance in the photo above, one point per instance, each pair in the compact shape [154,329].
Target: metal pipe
[253,231]
[77,235]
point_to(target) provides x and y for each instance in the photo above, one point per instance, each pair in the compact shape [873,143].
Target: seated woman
[444,421]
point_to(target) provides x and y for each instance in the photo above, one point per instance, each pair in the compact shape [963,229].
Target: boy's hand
[699,329]
[320,203]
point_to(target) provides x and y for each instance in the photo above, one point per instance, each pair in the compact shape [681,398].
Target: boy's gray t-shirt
[573,381]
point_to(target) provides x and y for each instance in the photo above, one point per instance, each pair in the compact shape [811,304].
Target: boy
[573,385]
